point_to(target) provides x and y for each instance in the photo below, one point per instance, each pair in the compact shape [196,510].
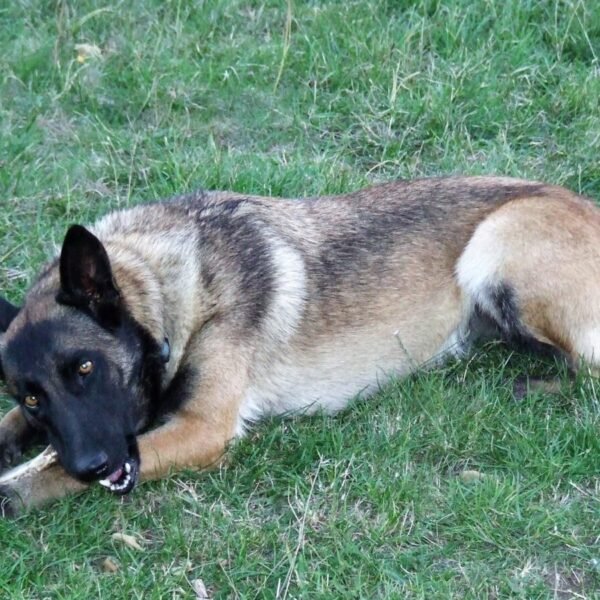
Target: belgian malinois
[162,332]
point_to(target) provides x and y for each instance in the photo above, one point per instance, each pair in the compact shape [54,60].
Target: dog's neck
[140,289]
[146,300]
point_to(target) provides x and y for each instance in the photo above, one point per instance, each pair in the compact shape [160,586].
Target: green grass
[307,98]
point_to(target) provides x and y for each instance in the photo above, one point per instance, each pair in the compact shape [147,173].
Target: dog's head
[80,367]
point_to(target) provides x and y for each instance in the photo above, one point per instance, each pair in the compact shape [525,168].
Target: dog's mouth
[123,479]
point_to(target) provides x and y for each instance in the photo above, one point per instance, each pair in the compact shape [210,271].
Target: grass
[304,98]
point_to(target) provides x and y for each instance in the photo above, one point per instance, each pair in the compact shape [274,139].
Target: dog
[164,331]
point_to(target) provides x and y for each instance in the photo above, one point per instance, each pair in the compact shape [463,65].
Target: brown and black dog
[159,334]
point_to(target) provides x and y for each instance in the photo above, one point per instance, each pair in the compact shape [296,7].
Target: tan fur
[362,288]
[556,274]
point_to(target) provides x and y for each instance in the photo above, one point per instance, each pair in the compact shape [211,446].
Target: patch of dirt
[567,583]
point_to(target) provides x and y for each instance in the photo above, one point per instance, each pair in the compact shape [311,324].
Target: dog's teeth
[123,482]
[117,487]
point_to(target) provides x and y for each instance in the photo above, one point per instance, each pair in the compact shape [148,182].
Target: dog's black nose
[91,466]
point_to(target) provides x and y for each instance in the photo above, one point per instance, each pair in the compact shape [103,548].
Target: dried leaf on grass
[200,589]
[128,540]
[110,565]
[86,51]
[470,475]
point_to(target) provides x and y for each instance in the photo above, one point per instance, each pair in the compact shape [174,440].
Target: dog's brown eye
[86,367]
[31,401]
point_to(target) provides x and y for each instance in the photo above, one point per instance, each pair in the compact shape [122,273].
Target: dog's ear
[86,279]
[8,312]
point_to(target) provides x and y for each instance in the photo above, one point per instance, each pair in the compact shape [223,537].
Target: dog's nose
[92,466]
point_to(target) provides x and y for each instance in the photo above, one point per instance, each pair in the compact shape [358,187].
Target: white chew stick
[38,464]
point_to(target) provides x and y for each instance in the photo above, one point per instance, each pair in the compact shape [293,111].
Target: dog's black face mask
[80,367]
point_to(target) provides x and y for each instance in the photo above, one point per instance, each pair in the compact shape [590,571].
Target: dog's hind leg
[533,267]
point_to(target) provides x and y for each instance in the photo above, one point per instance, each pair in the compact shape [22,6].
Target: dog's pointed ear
[86,279]
[8,312]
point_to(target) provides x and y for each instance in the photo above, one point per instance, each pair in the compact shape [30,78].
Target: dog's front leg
[197,435]
[186,441]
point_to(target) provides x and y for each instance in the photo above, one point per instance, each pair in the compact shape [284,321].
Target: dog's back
[333,294]
[344,292]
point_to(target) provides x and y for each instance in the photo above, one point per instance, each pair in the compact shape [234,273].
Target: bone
[42,462]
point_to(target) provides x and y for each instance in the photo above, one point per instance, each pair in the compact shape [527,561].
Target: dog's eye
[31,401]
[86,367]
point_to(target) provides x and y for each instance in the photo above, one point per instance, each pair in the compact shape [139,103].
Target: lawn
[444,485]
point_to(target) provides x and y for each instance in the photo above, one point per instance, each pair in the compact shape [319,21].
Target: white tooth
[121,484]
